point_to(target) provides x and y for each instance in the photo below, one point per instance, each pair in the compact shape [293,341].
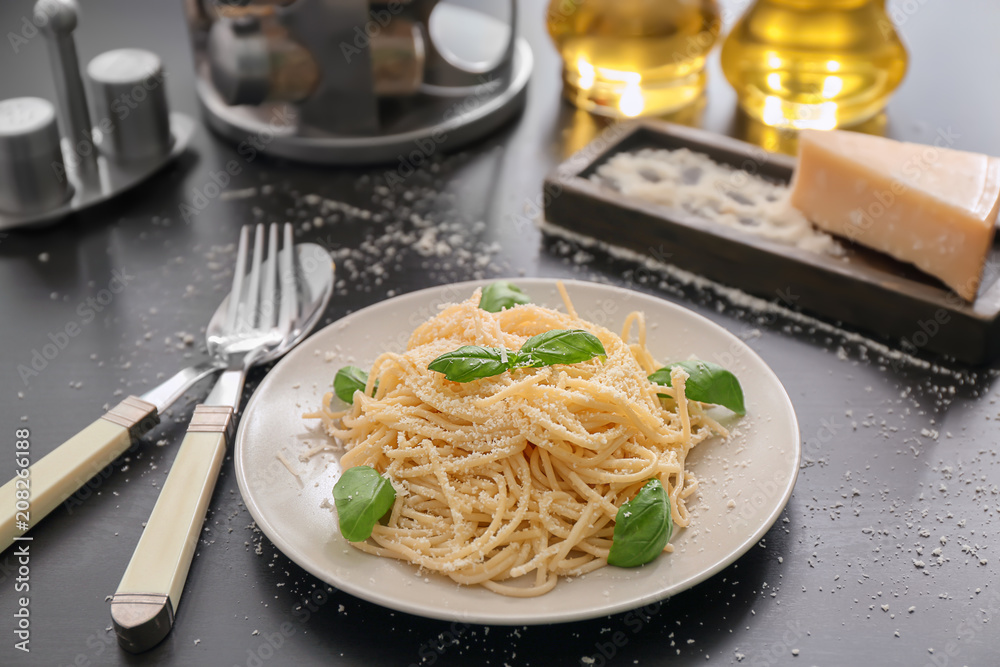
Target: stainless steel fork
[262,310]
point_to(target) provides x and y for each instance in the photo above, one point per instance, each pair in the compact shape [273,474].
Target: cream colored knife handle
[144,605]
[56,476]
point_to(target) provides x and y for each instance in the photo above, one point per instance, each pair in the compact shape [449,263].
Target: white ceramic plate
[745,481]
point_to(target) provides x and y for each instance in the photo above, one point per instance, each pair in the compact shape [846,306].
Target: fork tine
[232,313]
[253,287]
[289,283]
[269,295]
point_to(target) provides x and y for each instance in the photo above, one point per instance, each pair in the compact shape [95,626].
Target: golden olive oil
[625,58]
[814,63]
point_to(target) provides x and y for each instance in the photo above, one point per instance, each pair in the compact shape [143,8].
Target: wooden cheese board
[863,289]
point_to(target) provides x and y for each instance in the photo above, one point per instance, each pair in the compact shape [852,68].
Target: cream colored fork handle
[143,607]
[56,476]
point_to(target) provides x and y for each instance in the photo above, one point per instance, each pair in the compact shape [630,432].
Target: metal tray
[111,179]
[866,289]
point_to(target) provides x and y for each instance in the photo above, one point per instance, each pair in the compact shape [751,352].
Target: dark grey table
[899,460]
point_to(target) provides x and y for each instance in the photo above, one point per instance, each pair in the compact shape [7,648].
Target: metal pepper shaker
[129,104]
[32,172]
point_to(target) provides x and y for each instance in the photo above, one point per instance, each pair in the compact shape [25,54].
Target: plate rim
[291,551]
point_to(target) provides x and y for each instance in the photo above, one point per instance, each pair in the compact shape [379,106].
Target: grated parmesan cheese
[695,183]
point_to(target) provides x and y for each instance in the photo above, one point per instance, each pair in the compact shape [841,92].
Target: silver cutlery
[57,476]
[263,320]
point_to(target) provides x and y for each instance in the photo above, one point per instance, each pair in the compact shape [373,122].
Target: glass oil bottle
[815,64]
[625,58]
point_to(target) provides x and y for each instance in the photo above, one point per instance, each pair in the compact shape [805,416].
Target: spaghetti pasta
[510,481]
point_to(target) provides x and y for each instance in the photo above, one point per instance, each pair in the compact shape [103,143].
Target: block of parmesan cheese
[930,206]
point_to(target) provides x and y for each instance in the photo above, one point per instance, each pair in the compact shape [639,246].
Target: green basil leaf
[501,294]
[348,380]
[642,527]
[708,383]
[559,346]
[471,362]
[362,497]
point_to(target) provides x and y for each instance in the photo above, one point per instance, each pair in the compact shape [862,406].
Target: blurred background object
[779,139]
[121,77]
[816,64]
[29,147]
[357,81]
[59,159]
[626,58]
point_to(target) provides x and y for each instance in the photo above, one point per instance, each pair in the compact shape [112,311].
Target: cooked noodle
[510,481]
